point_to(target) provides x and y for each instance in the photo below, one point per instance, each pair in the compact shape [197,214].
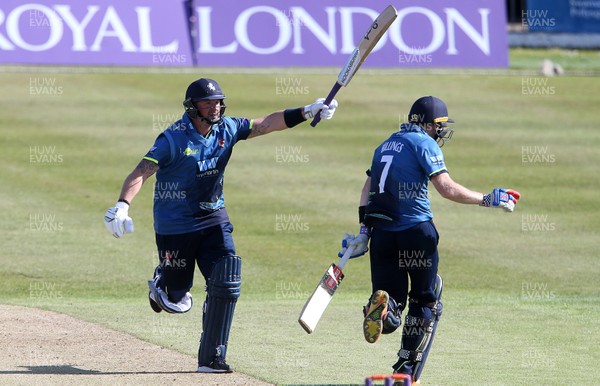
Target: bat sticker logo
[374,26]
[334,278]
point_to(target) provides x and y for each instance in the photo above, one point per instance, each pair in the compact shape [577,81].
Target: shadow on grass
[72,370]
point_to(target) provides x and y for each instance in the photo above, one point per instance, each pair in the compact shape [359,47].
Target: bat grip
[336,87]
[346,257]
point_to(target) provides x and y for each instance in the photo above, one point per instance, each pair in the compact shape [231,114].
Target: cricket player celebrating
[395,213]
[190,220]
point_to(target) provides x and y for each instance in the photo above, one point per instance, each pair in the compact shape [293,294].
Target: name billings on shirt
[392,145]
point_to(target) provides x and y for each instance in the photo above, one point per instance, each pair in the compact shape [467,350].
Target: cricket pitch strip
[47,348]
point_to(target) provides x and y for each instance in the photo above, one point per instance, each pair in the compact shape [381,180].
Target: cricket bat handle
[336,87]
[344,259]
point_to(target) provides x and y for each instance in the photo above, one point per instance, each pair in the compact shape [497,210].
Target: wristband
[364,231]
[487,200]
[123,200]
[293,117]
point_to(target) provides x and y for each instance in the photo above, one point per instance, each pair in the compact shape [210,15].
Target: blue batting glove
[501,198]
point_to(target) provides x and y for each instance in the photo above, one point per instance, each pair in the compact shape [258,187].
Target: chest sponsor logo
[189,151]
[207,167]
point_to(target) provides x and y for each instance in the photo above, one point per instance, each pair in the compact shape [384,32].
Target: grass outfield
[570,60]
[521,290]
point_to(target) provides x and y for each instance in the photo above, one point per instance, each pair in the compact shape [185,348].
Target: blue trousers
[398,256]
[179,254]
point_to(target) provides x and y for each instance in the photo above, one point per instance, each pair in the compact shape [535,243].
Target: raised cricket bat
[320,298]
[360,53]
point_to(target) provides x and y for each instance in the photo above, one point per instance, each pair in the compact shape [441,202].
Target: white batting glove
[117,220]
[327,111]
[501,198]
[359,242]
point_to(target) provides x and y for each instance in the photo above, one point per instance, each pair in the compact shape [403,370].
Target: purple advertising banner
[264,33]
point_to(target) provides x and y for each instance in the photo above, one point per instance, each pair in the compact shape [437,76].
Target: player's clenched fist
[117,220]
[327,111]
[501,198]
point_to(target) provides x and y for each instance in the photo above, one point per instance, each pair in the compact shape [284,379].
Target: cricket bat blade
[360,53]
[319,300]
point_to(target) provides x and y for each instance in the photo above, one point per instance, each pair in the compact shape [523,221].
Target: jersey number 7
[387,159]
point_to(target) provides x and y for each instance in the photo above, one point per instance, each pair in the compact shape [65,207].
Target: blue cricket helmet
[203,89]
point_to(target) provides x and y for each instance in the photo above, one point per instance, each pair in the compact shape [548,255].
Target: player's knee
[429,301]
[226,278]
[176,296]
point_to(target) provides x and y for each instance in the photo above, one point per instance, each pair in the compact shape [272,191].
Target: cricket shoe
[153,304]
[218,365]
[377,311]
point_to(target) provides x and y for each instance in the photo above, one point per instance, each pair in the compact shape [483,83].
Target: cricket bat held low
[319,300]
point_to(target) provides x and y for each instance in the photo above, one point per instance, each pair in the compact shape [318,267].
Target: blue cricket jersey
[400,172]
[188,193]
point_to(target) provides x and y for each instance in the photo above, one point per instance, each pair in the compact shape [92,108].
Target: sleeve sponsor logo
[437,159]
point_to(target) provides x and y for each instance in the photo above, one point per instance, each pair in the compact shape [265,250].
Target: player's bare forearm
[265,125]
[364,194]
[454,191]
[134,181]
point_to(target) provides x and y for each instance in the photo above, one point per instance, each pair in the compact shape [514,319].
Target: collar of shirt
[187,123]
[411,127]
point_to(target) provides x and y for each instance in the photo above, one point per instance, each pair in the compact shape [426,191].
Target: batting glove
[501,198]
[360,243]
[117,220]
[327,111]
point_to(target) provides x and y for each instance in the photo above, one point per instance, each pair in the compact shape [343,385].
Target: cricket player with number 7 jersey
[395,214]
[190,220]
